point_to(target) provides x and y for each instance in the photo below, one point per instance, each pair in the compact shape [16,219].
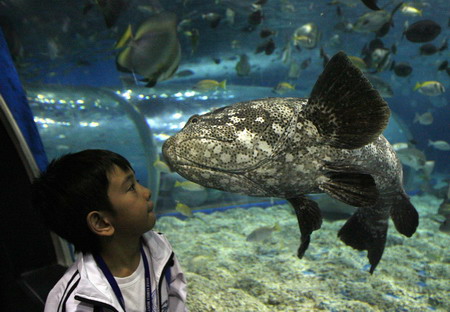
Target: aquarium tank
[126,75]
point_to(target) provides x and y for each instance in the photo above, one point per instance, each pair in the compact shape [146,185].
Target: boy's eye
[132,187]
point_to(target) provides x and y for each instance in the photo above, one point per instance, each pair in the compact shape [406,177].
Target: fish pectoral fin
[309,219]
[353,188]
[346,110]
[404,215]
[365,231]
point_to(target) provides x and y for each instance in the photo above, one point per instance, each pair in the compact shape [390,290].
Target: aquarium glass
[125,75]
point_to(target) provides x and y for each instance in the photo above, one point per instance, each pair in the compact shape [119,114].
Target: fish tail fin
[366,231]
[417,86]
[177,184]
[223,84]
[430,143]
[416,118]
[404,215]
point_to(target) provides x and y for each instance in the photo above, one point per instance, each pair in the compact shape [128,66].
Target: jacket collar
[93,285]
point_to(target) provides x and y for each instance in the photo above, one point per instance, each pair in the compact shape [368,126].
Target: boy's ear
[99,223]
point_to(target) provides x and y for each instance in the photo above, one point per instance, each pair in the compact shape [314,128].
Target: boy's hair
[71,187]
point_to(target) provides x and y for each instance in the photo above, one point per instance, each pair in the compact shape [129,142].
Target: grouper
[289,147]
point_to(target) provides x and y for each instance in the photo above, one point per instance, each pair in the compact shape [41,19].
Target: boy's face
[131,203]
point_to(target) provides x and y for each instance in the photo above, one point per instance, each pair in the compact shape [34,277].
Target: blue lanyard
[112,281]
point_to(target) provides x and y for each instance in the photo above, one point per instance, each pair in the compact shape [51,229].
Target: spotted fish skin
[289,147]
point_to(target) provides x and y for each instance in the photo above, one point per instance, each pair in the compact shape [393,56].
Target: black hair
[71,187]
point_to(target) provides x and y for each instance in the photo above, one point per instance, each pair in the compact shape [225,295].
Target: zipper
[96,303]
[167,266]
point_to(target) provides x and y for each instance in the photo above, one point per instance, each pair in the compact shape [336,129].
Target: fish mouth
[168,149]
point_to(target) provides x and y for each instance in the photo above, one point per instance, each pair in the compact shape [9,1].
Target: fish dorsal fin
[344,106]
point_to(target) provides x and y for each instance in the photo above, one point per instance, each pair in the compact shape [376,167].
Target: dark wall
[25,244]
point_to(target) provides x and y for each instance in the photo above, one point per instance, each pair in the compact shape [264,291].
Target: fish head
[218,149]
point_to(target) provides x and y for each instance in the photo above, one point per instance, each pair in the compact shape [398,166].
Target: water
[66,61]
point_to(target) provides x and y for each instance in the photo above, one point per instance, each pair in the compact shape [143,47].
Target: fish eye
[193,119]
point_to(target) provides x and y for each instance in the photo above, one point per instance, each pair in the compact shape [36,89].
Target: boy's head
[74,190]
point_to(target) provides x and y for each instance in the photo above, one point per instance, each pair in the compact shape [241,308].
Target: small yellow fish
[410,10]
[189,186]
[185,210]
[301,38]
[208,85]
[283,87]
[430,88]
[161,166]
[262,233]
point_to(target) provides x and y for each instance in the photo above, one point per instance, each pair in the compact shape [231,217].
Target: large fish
[154,52]
[289,147]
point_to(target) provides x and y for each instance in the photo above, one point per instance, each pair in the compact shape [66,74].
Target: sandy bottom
[227,273]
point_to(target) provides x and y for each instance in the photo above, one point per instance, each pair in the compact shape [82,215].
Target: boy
[92,199]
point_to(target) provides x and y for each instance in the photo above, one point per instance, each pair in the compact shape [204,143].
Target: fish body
[283,87]
[409,10]
[184,209]
[428,49]
[212,18]
[154,51]
[307,36]
[243,66]
[289,147]
[411,157]
[378,21]
[294,70]
[209,85]
[440,145]
[267,47]
[379,59]
[425,119]
[430,88]
[262,233]
[402,69]
[422,31]
[372,21]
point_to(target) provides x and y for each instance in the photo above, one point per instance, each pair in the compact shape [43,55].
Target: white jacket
[84,287]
